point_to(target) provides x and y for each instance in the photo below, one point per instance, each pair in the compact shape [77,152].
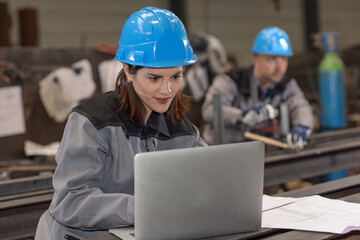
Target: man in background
[251,98]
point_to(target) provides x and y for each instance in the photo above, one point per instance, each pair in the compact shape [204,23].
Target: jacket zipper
[146,140]
[69,237]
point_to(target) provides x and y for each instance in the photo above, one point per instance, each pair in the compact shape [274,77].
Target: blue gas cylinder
[332,91]
[331,84]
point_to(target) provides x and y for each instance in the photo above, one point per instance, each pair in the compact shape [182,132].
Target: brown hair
[131,103]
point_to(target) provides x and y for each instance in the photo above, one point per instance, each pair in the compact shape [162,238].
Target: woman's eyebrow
[153,75]
[178,72]
[157,75]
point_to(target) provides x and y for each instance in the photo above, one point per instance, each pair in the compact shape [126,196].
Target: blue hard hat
[273,41]
[154,37]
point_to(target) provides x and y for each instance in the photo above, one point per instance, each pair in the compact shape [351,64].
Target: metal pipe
[284,119]
[218,120]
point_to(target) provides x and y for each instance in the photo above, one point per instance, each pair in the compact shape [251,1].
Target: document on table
[313,213]
[274,202]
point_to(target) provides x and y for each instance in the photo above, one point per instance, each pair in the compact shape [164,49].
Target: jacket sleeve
[224,86]
[79,200]
[300,110]
[199,142]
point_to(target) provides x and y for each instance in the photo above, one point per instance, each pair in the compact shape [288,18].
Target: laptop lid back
[199,192]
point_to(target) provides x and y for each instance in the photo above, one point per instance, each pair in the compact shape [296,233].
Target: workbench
[326,152]
[347,189]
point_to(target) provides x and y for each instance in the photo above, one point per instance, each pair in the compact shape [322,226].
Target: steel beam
[327,158]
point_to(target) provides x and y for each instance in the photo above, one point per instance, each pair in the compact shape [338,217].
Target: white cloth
[217,55]
[64,88]
[108,72]
[197,80]
[213,59]
[35,149]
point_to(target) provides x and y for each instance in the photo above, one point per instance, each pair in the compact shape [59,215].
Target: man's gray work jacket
[236,96]
[94,179]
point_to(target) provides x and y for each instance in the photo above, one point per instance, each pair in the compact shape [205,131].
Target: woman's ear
[129,76]
[254,60]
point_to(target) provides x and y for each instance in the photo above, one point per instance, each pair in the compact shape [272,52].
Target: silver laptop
[197,192]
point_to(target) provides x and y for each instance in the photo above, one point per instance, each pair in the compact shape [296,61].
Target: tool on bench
[266,140]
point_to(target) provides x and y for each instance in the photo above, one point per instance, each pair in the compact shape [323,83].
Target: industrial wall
[83,23]
[236,23]
[80,23]
[342,16]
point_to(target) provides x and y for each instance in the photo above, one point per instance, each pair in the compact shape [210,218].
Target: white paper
[12,120]
[314,213]
[274,202]
[125,233]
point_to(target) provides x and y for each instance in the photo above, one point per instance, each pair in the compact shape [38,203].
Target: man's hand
[297,138]
[258,114]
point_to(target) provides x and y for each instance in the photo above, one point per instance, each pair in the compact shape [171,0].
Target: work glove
[258,114]
[297,138]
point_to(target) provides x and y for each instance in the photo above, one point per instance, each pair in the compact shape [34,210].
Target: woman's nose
[166,87]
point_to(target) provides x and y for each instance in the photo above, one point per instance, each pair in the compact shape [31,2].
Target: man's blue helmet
[154,37]
[273,41]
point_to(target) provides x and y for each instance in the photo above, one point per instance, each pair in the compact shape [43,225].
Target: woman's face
[156,87]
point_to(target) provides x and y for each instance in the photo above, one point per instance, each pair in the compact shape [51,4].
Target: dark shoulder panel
[101,110]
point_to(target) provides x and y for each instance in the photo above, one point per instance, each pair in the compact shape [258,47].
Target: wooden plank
[297,235]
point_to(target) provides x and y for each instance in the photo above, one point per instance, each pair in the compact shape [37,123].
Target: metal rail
[22,201]
[325,158]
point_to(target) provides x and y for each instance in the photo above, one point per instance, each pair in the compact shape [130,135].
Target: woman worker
[94,179]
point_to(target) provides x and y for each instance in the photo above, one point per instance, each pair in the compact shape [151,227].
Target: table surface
[347,189]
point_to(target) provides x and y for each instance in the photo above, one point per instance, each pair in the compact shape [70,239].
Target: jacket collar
[157,121]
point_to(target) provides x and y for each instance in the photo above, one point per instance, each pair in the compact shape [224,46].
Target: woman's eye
[177,76]
[153,78]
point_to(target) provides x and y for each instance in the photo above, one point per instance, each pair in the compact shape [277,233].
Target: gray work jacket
[236,93]
[94,179]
